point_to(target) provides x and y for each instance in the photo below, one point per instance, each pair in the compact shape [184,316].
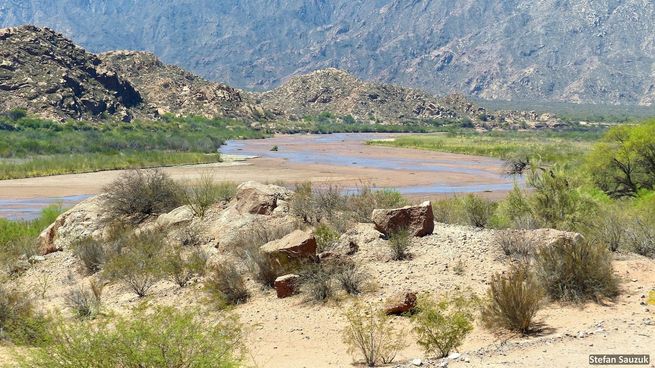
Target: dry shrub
[349,276]
[448,211]
[19,323]
[442,326]
[201,194]
[317,282]
[85,303]
[264,269]
[181,267]
[226,286]
[326,236]
[478,211]
[576,271]
[399,243]
[515,244]
[362,203]
[139,194]
[370,334]
[138,261]
[640,236]
[92,253]
[512,300]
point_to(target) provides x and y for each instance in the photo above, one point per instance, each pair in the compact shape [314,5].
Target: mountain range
[582,51]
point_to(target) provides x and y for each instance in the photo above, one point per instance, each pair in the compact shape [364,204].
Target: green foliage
[515,211]
[226,286]
[512,300]
[205,192]
[181,266]
[326,237]
[19,323]
[369,333]
[139,194]
[576,271]
[442,325]
[138,262]
[164,337]
[623,162]
[478,211]
[399,243]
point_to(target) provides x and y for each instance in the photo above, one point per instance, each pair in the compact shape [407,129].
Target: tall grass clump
[399,243]
[512,300]
[576,271]
[371,335]
[164,337]
[201,194]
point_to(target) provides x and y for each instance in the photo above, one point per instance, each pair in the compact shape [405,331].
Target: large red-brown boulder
[260,199]
[286,286]
[296,246]
[401,304]
[418,220]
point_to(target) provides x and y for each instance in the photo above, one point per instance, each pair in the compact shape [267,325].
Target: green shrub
[205,192]
[138,263]
[576,271]
[442,326]
[165,337]
[515,211]
[512,300]
[326,237]
[19,323]
[449,211]
[370,334]
[399,243]
[139,194]
[362,203]
[225,285]
[478,211]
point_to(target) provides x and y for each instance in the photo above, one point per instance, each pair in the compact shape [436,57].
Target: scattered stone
[417,362]
[286,286]
[401,304]
[418,220]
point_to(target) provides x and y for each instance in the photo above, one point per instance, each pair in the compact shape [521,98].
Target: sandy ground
[295,333]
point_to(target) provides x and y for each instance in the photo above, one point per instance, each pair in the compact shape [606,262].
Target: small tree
[442,326]
[370,334]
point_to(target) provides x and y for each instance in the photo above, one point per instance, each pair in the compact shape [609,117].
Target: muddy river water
[343,159]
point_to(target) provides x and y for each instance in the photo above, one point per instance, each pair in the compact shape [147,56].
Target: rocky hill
[42,71]
[573,51]
[171,89]
[47,74]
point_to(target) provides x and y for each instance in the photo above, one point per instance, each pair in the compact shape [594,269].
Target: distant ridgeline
[50,77]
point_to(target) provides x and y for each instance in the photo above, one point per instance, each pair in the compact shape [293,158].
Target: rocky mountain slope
[576,51]
[50,76]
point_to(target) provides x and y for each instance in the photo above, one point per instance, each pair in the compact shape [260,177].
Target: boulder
[418,220]
[178,216]
[296,246]
[286,286]
[401,304]
[550,237]
[260,199]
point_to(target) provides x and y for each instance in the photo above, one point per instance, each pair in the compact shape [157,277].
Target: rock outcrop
[260,199]
[286,286]
[400,304]
[417,220]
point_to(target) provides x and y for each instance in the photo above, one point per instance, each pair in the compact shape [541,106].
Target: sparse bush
[138,262]
[85,303]
[350,277]
[91,252]
[399,243]
[610,227]
[515,244]
[512,300]
[442,326]
[138,194]
[316,281]
[19,323]
[478,211]
[449,211]
[640,236]
[225,284]
[515,211]
[371,334]
[182,268]
[164,337]
[576,271]
[362,203]
[205,192]
[264,269]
